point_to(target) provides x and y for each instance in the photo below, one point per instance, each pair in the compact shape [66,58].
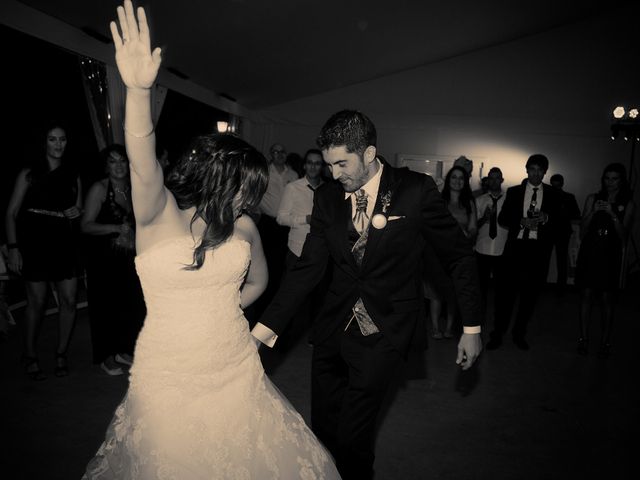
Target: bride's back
[194,318]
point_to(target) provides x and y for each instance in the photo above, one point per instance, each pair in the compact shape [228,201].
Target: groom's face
[350,169]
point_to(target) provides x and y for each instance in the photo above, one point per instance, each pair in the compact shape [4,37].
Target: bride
[199,405]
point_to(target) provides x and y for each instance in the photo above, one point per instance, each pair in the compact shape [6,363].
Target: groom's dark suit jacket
[389,280]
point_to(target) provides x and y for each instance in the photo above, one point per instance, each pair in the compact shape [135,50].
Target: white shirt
[486,245]
[296,204]
[277,181]
[528,193]
[371,189]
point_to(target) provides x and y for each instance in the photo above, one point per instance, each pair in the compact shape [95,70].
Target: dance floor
[546,413]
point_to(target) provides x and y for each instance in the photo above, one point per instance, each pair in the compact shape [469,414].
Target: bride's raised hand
[137,64]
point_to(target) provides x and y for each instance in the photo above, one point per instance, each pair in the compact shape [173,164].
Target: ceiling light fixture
[222,126]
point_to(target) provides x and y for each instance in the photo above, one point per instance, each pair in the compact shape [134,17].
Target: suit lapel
[545,198]
[523,191]
[388,183]
[344,218]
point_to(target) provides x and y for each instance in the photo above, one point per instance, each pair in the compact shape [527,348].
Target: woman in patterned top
[116,304]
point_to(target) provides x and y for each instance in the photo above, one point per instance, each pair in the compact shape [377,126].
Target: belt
[50,213]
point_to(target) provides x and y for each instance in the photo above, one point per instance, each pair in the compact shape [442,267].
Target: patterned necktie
[493,219]
[361,219]
[361,224]
[531,211]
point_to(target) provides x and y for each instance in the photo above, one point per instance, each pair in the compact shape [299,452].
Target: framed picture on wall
[433,165]
[437,166]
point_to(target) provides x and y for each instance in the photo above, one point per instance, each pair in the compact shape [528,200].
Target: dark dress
[600,257]
[48,240]
[116,303]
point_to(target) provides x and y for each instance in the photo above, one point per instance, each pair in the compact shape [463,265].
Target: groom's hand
[469,348]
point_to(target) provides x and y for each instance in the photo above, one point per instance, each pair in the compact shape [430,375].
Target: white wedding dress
[199,405]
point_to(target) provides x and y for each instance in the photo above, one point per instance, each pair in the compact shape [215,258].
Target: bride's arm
[138,67]
[257,277]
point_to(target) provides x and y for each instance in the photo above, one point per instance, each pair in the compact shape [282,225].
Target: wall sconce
[222,126]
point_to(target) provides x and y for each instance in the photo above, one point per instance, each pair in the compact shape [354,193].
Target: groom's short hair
[350,128]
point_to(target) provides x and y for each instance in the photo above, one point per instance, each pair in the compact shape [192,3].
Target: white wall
[551,93]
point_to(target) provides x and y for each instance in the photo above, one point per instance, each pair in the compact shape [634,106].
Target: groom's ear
[369,154]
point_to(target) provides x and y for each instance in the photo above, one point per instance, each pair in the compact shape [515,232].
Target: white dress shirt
[371,189]
[528,193]
[277,181]
[486,245]
[296,205]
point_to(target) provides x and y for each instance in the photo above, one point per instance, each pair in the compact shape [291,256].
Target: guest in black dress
[42,238]
[116,303]
[606,221]
[439,287]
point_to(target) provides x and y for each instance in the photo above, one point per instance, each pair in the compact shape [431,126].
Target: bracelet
[139,136]
[12,245]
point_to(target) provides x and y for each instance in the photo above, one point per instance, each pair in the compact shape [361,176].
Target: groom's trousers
[350,376]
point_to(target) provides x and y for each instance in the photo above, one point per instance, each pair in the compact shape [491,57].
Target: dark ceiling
[265,52]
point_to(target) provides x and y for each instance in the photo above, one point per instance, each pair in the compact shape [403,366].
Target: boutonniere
[379,220]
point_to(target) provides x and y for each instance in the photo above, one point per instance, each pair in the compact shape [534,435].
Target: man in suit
[372,226]
[570,213]
[530,212]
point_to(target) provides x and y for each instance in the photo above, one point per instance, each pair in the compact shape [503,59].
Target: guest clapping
[530,213]
[491,237]
[607,218]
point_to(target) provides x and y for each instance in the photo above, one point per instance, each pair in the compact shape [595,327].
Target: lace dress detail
[199,405]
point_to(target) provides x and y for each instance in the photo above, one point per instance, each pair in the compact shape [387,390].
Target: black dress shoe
[494,343]
[605,350]
[62,367]
[521,343]
[582,346]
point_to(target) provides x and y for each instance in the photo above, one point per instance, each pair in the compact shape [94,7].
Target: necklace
[121,191]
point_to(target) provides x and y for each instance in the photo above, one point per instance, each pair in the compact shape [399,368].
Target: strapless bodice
[194,321]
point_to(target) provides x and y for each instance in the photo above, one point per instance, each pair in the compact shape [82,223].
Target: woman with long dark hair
[606,222]
[459,199]
[42,238]
[199,404]
[116,305]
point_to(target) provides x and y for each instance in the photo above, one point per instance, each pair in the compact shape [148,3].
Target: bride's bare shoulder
[245,229]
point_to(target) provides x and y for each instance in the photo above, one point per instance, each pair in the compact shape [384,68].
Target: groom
[373,225]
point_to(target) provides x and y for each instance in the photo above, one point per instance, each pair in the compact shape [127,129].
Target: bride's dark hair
[209,176]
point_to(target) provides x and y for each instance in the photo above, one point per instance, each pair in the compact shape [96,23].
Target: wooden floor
[543,414]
